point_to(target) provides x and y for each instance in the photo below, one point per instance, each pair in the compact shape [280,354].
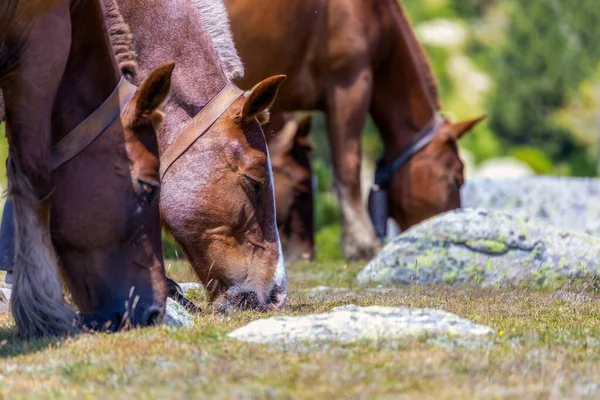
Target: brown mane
[418,53]
[7,63]
[121,39]
[7,10]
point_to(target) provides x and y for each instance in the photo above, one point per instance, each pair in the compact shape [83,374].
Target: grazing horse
[82,171]
[350,59]
[217,193]
[290,147]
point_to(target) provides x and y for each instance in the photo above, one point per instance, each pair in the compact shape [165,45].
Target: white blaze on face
[280,276]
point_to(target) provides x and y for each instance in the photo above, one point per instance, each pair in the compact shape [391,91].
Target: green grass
[546,347]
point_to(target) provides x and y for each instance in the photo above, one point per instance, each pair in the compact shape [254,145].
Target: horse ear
[153,91]
[261,97]
[284,139]
[302,133]
[304,126]
[459,129]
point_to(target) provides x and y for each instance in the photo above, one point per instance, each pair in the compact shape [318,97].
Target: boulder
[352,323]
[570,203]
[485,247]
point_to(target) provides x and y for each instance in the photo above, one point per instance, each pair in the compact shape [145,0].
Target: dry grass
[546,347]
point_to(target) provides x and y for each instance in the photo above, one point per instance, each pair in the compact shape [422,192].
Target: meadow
[545,347]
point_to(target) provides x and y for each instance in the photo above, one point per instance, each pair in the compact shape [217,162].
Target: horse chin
[101,322]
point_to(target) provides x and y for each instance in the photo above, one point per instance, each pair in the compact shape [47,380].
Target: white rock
[352,323]
[177,315]
[502,167]
[187,286]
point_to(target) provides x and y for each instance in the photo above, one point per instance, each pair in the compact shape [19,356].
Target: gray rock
[5,293]
[5,300]
[571,203]
[177,315]
[187,286]
[485,247]
[352,323]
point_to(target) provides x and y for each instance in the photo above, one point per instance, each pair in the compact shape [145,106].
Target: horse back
[313,42]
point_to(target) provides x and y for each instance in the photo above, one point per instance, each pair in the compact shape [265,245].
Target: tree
[550,48]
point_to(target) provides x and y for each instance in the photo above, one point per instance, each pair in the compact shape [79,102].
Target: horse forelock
[121,38]
[215,20]
[418,53]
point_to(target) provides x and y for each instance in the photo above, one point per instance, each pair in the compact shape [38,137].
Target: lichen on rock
[484,247]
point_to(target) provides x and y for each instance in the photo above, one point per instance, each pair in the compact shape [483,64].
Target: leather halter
[384,172]
[93,126]
[378,204]
[199,125]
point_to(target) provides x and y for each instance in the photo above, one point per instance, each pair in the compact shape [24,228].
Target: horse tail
[37,301]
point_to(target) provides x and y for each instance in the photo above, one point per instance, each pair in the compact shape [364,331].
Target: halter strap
[384,172]
[93,126]
[199,125]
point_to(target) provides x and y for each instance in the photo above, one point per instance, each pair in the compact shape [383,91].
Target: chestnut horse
[350,59]
[83,166]
[290,147]
[217,192]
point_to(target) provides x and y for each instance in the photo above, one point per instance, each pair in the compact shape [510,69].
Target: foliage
[535,158]
[171,249]
[483,143]
[327,243]
[550,48]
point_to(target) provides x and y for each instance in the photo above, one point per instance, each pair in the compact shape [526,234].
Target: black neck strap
[384,172]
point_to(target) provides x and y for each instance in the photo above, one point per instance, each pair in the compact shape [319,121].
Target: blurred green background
[532,65]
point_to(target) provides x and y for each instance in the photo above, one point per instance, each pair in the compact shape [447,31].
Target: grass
[546,347]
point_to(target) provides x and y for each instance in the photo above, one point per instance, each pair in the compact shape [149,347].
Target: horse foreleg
[7,240]
[37,301]
[347,108]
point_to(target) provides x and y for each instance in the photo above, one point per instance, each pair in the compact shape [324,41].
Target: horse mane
[418,54]
[215,20]
[7,10]
[121,39]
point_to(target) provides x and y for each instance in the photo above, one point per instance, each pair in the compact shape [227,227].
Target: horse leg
[37,302]
[347,108]
[7,241]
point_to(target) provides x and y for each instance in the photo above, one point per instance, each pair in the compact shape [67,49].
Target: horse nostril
[152,316]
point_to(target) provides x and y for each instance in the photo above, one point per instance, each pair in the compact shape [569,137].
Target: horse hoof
[360,251]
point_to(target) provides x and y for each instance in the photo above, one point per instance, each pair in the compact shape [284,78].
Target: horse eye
[148,192]
[256,186]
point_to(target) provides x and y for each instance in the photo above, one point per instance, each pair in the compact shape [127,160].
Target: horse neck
[91,73]
[404,95]
[172,30]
